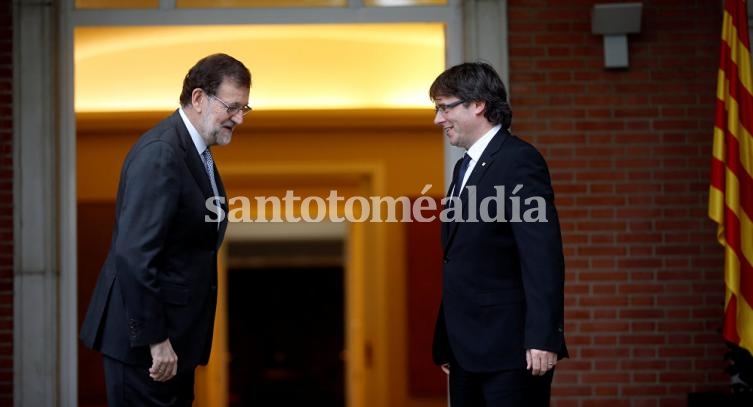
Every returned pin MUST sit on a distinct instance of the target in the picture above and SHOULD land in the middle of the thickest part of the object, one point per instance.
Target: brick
(644, 377)
(604, 314)
(645, 313)
(644, 390)
(603, 189)
(608, 301)
(607, 401)
(601, 289)
(642, 340)
(604, 326)
(643, 353)
(605, 340)
(681, 351)
(605, 377)
(574, 390)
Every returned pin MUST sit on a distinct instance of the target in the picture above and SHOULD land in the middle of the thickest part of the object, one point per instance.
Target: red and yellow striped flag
(731, 191)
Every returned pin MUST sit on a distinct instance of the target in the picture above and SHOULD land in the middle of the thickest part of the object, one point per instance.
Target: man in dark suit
(499, 332)
(152, 311)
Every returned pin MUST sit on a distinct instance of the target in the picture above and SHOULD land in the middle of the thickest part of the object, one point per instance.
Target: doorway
(286, 333)
(286, 341)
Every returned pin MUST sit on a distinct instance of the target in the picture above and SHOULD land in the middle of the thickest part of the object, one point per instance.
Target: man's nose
(237, 118)
(438, 118)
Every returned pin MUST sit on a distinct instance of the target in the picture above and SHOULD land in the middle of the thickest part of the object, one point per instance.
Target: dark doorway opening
(286, 336)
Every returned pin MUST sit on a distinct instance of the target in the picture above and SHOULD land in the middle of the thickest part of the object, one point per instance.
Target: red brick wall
(629, 151)
(6, 204)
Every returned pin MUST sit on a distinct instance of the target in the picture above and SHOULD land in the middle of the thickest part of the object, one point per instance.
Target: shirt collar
(198, 142)
(480, 145)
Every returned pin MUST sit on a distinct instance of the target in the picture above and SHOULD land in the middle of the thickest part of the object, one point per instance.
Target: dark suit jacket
(159, 280)
(503, 282)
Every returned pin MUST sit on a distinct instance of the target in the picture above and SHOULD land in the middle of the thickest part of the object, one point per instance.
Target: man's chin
(224, 136)
(224, 140)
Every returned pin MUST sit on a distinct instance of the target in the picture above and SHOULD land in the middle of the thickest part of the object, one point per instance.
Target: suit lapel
(480, 169)
(192, 157)
(196, 166)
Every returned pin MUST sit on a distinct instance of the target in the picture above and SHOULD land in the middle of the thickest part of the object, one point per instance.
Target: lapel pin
(483, 164)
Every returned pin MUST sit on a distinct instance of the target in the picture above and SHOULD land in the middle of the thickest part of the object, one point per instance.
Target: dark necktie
(466, 160)
(209, 167)
(458, 181)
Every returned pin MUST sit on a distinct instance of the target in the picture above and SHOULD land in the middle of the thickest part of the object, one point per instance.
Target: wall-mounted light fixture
(614, 21)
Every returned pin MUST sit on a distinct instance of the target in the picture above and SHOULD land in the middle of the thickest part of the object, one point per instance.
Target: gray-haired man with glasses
(152, 311)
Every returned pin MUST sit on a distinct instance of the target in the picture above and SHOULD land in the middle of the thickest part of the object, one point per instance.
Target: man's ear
(197, 98)
(479, 107)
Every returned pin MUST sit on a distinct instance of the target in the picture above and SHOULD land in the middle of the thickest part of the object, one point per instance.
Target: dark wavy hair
(209, 73)
(475, 82)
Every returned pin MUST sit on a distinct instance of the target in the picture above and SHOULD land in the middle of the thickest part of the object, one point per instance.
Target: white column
(67, 222)
(484, 37)
(35, 332)
(486, 34)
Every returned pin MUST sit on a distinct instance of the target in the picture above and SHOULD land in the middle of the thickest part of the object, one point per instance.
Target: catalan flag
(731, 190)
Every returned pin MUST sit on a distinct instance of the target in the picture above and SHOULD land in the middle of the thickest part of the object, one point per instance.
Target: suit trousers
(504, 388)
(130, 386)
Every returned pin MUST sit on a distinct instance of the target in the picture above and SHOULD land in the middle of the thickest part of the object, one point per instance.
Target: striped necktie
(209, 167)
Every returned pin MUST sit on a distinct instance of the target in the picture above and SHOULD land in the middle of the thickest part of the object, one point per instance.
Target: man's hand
(164, 361)
(540, 361)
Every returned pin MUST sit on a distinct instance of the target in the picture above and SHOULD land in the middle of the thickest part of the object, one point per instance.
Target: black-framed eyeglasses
(232, 110)
(444, 108)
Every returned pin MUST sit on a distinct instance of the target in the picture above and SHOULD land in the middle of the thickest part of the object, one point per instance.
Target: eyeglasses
(232, 110)
(444, 108)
